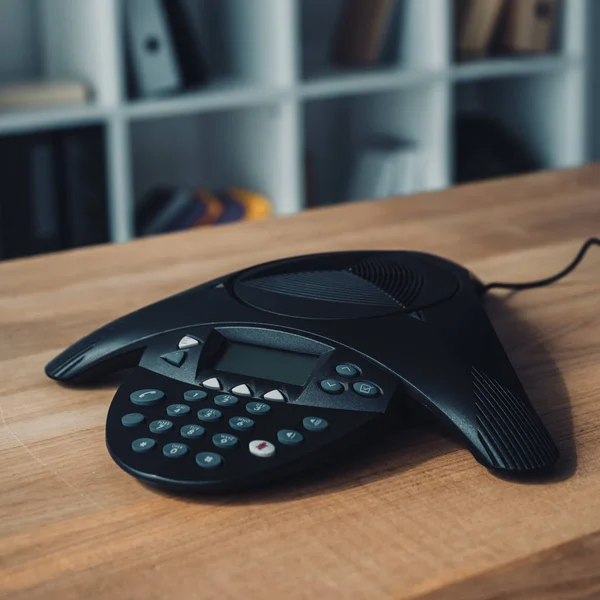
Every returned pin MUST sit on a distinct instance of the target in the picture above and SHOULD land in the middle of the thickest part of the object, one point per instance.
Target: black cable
(549, 280)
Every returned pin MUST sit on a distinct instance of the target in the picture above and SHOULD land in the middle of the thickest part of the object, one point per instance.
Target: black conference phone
(255, 375)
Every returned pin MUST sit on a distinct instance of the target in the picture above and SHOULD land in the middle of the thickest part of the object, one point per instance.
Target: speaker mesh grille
(509, 429)
(328, 286)
(400, 282)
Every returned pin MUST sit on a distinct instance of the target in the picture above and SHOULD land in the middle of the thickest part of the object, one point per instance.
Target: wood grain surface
(414, 517)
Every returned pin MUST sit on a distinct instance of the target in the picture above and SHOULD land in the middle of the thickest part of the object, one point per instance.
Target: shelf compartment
(246, 148)
(415, 37)
(336, 129)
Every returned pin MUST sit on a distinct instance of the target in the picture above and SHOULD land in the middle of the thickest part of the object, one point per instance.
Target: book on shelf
(52, 192)
(386, 166)
(529, 26)
(164, 52)
(362, 30)
(176, 208)
(39, 94)
(477, 22)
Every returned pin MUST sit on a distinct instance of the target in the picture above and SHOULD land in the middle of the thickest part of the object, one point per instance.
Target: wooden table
(415, 518)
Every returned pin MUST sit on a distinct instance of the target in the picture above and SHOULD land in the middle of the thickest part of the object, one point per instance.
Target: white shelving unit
(274, 96)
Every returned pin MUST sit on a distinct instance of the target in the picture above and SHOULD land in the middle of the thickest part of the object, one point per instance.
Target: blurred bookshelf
(276, 106)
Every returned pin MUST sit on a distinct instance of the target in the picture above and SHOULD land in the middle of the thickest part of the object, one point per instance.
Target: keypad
(178, 410)
(289, 437)
(209, 415)
(208, 460)
(225, 400)
(315, 423)
(241, 423)
(365, 389)
(192, 432)
(175, 450)
(331, 386)
(224, 440)
(146, 397)
(258, 408)
(161, 426)
(142, 445)
(132, 419)
(346, 370)
(194, 395)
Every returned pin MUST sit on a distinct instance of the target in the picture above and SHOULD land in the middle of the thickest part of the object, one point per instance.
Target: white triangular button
(274, 395)
(212, 384)
(187, 341)
(242, 390)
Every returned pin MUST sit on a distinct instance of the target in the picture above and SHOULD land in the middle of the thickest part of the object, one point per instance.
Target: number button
(178, 410)
(209, 415)
(241, 423)
(366, 389)
(208, 460)
(160, 426)
(331, 386)
(257, 408)
(261, 448)
(315, 423)
(346, 370)
(225, 400)
(143, 445)
(132, 419)
(192, 432)
(224, 440)
(146, 397)
(175, 450)
(194, 395)
(289, 437)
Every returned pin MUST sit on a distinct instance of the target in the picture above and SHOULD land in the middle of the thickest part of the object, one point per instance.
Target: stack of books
(52, 191)
(169, 209)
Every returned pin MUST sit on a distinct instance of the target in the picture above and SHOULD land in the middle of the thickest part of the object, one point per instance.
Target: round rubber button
(346, 370)
(315, 423)
(194, 395)
(178, 410)
(132, 419)
(192, 432)
(289, 437)
(175, 450)
(331, 386)
(224, 440)
(261, 448)
(142, 445)
(258, 408)
(160, 426)
(241, 423)
(208, 460)
(225, 400)
(366, 389)
(209, 415)
(146, 397)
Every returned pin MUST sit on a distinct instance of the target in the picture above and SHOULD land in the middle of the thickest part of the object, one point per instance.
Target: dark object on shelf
(385, 166)
(188, 48)
(486, 149)
(476, 24)
(362, 31)
(169, 209)
(529, 26)
(52, 191)
(321, 353)
(83, 186)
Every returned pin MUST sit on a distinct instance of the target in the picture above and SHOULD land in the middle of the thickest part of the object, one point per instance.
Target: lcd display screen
(267, 363)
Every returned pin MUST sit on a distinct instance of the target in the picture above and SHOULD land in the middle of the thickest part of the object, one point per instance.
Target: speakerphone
(261, 373)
